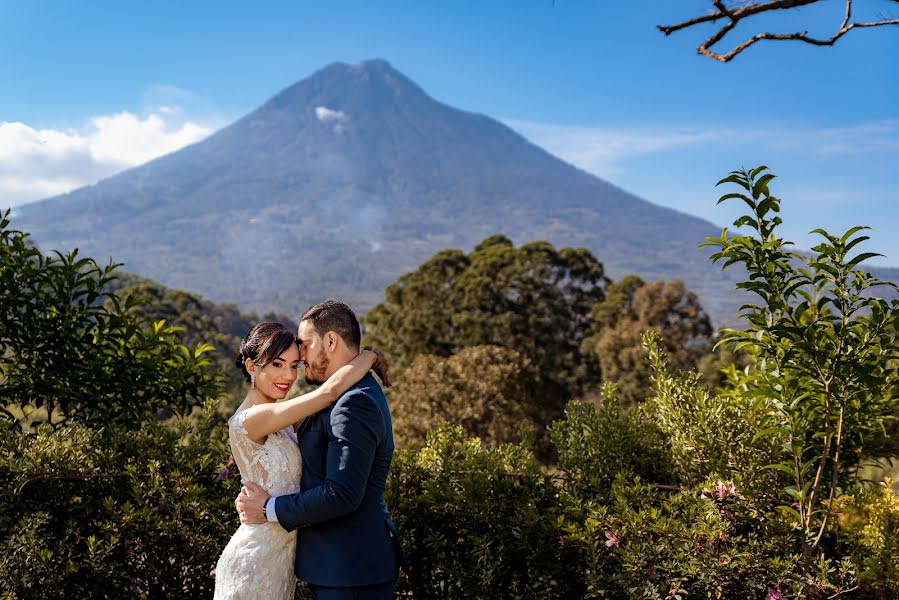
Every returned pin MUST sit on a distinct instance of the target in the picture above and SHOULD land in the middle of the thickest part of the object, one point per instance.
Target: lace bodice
(275, 465)
(257, 563)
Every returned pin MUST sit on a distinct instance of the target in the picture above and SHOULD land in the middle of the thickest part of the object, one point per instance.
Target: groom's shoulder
(364, 391)
(366, 387)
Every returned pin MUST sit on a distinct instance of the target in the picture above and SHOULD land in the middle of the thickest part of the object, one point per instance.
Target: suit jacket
(345, 534)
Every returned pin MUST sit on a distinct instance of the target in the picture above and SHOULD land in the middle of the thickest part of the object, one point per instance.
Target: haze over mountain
(349, 178)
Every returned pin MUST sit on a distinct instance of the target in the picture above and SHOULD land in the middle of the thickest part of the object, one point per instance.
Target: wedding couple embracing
(314, 467)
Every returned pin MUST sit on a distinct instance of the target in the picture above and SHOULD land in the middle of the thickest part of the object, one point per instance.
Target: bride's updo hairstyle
(265, 342)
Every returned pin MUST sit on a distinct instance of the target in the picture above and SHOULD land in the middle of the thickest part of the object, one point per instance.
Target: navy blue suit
(346, 537)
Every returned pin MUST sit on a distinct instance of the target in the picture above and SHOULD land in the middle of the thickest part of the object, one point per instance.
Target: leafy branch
(825, 346)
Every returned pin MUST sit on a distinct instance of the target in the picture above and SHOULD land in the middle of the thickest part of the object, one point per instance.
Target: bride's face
(275, 379)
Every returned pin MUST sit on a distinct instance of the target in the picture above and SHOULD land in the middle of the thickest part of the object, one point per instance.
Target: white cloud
(600, 150)
(878, 136)
(37, 163)
(604, 150)
(329, 115)
(130, 140)
(325, 114)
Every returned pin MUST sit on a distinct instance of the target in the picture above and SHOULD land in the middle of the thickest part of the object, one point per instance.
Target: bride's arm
(263, 419)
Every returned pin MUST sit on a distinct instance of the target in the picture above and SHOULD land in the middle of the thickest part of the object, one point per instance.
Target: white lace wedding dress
(258, 561)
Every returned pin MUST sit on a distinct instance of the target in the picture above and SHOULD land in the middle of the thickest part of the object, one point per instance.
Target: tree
(735, 11)
(632, 307)
(535, 300)
(222, 326)
(72, 349)
(489, 391)
(825, 377)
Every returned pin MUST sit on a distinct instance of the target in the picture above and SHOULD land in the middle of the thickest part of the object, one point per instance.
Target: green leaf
(755, 172)
(852, 232)
(761, 184)
(790, 510)
(737, 178)
(770, 431)
(785, 467)
(861, 258)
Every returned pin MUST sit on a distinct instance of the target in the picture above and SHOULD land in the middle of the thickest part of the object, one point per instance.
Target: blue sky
(89, 88)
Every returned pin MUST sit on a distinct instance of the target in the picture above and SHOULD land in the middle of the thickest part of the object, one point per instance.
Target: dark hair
(334, 315)
(265, 342)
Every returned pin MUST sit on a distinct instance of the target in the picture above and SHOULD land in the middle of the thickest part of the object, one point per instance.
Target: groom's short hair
(336, 316)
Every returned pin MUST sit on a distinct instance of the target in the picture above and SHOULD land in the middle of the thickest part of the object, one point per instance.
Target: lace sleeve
(275, 465)
(246, 452)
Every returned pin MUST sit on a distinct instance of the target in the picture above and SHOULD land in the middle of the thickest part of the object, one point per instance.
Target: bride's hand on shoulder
(381, 365)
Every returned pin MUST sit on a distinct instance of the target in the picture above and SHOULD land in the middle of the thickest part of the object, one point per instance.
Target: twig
(734, 16)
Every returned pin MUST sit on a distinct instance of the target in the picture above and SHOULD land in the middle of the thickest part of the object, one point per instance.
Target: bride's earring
(253, 382)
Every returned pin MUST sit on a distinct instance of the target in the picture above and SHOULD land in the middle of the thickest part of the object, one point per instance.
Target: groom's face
(312, 353)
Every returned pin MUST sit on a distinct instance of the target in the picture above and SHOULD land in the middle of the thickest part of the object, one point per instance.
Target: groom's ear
(330, 341)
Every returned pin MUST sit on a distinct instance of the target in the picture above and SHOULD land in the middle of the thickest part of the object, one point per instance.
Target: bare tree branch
(749, 9)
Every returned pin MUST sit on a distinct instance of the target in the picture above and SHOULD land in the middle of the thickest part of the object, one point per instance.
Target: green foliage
(595, 444)
(631, 307)
(643, 544)
(70, 348)
(112, 514)
(717, 366)
(489, 391)
(870, 522)
(115, 513)
(709, 435)
(488, 340)
(488, 522)
(199, 320)
(825, 376)
(534, 299)
(480, 522)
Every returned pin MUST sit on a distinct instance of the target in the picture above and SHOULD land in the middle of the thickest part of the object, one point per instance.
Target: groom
(347, 544)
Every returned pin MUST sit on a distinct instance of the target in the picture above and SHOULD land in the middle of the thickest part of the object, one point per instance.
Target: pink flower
(129, 549)
(516, 533)
(221, 474)
(774, 594)
(611, 539)
(230, 459)
(723, 489)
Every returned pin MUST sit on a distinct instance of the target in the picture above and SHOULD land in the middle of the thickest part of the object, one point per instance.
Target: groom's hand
(249, 504)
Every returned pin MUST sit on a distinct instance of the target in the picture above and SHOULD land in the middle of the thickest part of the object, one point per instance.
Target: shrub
(116, 513)
(870, 523)
(595, 444)
(481, 522)
(710, 435)
(692, 544)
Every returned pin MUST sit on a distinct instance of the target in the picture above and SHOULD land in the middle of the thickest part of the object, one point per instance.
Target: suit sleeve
(354, 431)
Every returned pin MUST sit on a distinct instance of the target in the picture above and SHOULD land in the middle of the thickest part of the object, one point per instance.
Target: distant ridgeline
(346, 180)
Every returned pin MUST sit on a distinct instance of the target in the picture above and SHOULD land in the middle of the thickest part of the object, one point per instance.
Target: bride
(258, 561)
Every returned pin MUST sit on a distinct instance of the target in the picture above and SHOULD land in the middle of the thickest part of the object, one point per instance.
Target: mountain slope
(347, 179)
